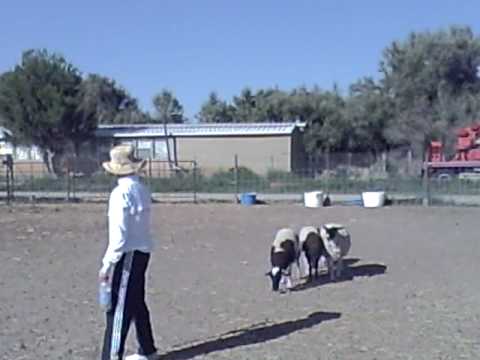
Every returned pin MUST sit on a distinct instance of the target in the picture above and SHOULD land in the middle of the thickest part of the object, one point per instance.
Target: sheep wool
(304, 232)
(281, 236)
(336, 240)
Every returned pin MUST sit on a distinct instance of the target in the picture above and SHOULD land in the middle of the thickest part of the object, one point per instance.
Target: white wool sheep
(337, 242)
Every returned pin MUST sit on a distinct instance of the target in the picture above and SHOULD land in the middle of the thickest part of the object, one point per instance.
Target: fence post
(194, 182)
(384, 162)
(236, 179)
(74, 179)
(68, 183)
(349, 163)
(426, 185)
(8, 183)
(409, 162)
(12, 178)
(327, 166)
(8, 163)
(31, 179)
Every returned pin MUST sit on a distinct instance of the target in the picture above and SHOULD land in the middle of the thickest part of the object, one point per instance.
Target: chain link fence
(397, 173)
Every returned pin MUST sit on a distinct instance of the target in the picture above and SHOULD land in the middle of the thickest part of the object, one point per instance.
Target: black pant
(128, 303)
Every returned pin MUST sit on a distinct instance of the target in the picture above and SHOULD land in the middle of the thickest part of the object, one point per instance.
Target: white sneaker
(143, 357)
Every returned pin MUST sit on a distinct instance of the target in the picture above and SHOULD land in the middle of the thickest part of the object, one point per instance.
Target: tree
(38, 102)
(215, 110)
(326, 125)
(422, 75)
(271, 105)
(244, 106)
(369, 112)
(46, 102)
(108, 102)
(168, 108)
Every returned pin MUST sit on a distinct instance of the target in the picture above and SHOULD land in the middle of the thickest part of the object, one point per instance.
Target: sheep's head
(275, 275)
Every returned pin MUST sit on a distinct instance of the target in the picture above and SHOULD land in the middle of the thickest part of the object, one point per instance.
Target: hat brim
(124, 169)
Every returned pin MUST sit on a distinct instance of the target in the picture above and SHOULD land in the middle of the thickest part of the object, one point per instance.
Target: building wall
(259, 153)
(25, 169)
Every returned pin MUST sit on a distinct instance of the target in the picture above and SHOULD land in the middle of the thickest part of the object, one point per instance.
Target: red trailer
(466, 161)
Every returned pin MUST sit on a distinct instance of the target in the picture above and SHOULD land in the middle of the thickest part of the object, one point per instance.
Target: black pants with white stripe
(128, 303)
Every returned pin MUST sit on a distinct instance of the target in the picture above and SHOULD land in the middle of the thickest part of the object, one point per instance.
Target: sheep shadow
(349, 273)
(350, 261)
(250, 335)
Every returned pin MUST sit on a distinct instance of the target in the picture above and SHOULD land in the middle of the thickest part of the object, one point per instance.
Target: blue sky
(197, 46)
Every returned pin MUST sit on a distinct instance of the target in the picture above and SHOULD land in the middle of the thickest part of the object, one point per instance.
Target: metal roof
(198, 130)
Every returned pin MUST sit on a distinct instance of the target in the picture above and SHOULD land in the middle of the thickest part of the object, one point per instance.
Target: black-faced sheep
(283, 254)
(337, 242)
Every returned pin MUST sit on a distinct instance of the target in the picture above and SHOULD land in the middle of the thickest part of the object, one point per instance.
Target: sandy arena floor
(413, 292)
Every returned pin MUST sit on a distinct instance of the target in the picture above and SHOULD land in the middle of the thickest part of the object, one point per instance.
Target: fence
(398, 174)
(168, 181)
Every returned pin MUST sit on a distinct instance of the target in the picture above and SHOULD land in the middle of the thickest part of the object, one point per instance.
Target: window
(35, 153)
(160, 150)
(22, 153)
(144, 149)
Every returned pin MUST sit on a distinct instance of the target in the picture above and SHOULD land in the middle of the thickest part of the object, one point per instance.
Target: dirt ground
(411, 291)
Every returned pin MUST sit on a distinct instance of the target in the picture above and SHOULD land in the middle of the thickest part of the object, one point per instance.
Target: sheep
(312, 246)
(284, 253)
(337, 243)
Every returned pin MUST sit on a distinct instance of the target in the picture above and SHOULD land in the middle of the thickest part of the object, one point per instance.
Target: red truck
(466, 161)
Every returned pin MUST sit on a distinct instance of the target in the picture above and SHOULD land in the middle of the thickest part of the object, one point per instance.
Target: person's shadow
(350, 272)
(250, 335)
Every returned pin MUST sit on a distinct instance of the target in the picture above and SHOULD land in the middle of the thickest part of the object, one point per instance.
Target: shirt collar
(126, 180)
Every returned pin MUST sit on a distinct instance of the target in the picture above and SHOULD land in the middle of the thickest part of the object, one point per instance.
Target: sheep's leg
(289, 282)
(323, 262)
(283, 282)
(339, 268)
(296, 265)
(288, 278)
(299, 268)
(331, 269)
(309, 266)
(302, 265)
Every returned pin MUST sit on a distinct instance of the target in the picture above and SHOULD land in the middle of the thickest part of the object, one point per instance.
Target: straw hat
(122, 161)
(336, 240)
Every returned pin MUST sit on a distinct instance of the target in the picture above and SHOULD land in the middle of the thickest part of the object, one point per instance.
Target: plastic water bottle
(105, 295)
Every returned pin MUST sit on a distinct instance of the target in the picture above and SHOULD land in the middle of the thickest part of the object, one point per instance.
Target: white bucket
(313, 199)
(373, 199)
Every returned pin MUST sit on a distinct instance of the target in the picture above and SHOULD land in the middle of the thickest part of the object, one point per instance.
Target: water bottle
(105, 295)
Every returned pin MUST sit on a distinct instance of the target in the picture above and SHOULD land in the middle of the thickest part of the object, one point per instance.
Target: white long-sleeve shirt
(128, 220)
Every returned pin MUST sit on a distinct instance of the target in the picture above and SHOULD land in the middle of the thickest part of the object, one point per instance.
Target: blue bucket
(355, 202)
(248, 199)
